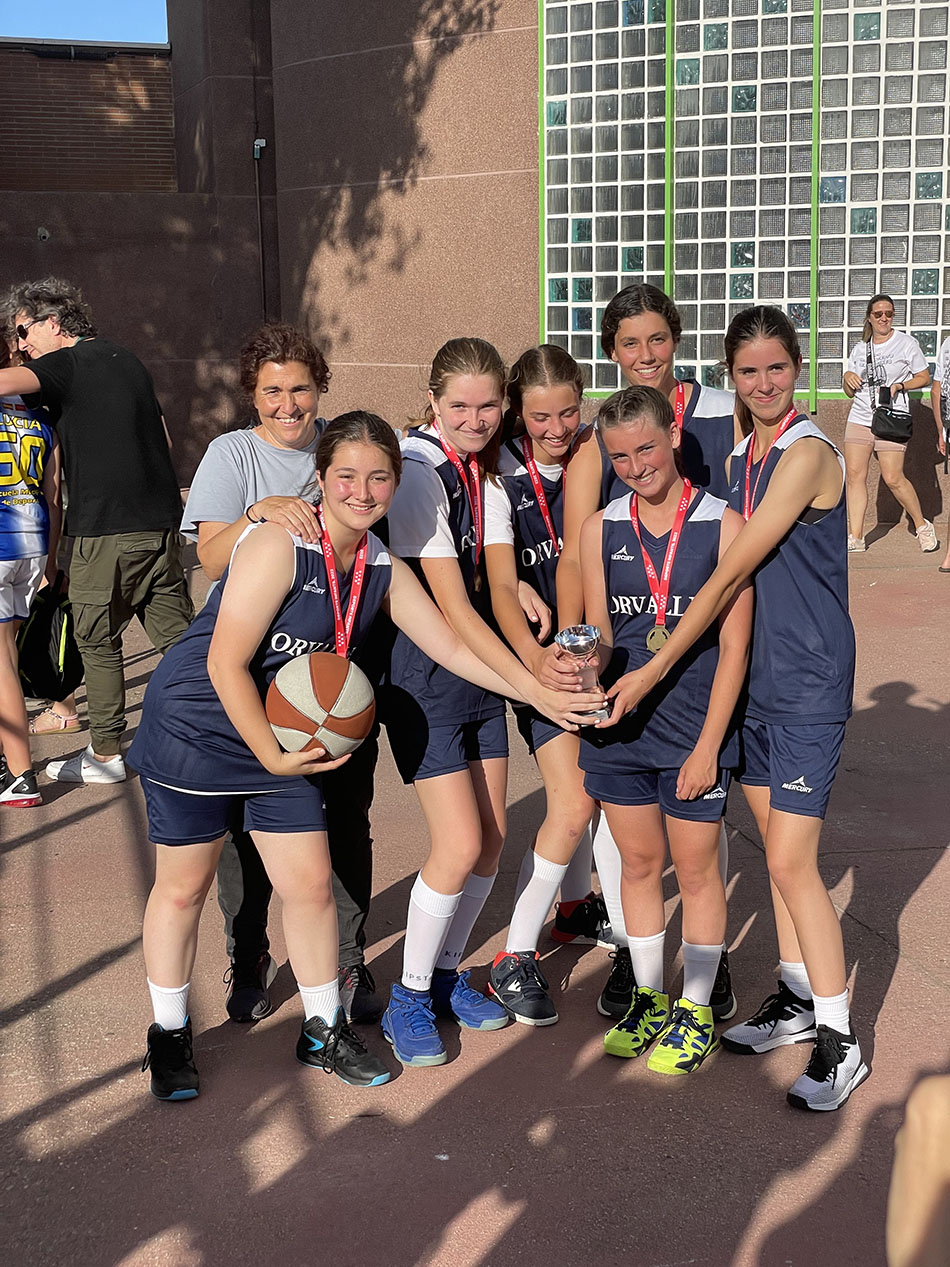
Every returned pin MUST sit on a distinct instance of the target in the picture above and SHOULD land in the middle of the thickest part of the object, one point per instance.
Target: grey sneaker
(834, 1071)
(927, 536)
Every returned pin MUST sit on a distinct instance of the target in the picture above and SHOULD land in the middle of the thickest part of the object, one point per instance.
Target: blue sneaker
(454, 999)
(409, 1024)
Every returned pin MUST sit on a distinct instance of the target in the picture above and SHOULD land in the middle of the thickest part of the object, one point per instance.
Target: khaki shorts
(857, 433)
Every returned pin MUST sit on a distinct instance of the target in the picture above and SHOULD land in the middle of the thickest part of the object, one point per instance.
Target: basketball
(320, 700)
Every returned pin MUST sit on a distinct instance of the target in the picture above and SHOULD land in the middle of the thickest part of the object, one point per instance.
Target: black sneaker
(338, 1049)
(248, 982)
(582, 923)
(834, 1071)
(722, 1000)
(169, 1056)
(617, 997)
(519, 985)
(782, 1019)
(19, 790)
(358, 996)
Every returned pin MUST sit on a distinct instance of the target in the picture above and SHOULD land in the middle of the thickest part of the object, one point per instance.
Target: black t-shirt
(115, 455)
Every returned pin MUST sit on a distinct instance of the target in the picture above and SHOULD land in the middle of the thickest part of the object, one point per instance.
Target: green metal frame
(668, 169)
(542, 186)
(815, 189)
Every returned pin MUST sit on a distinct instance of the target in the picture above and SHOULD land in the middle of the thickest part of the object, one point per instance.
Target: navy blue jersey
(802, 668)
(419, 691)
(185, 739)
(663, 729)
(708, 438)
(535, 555)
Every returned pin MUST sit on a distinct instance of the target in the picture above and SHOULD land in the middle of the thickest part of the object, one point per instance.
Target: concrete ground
(529, 1146)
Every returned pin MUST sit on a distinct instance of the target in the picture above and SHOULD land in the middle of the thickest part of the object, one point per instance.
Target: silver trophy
(580, 642)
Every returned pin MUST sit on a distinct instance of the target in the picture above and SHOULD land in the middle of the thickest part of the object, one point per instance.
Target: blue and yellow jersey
(26, 440)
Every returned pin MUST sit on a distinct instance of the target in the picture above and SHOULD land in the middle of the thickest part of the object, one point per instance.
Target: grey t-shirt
(240, 468)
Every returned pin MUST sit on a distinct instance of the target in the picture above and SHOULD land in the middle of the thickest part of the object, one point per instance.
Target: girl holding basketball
(643, 558)
(448, 739)
(205, 744)
(523, 527)
(788, 482)
(640, 331)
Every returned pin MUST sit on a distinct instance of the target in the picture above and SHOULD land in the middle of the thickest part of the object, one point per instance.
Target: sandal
(49, 722)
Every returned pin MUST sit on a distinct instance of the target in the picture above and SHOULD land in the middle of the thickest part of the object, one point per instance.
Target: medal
(749, 498)
(535, 476)
(343, 628)
(656, 638)
(473, 490)
(660, 585)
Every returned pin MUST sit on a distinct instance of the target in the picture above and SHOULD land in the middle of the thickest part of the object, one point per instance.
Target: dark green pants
(112, 579)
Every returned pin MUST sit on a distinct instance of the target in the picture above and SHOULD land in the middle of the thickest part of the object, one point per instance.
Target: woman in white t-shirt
(940, 404)
(897, 363)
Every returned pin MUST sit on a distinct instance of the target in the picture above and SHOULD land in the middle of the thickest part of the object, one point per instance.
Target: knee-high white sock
(532, 907)
(169, 1004)
(473, 898)
(321, 1000)
(700, 964)
(833, 1010)
(607, 858)
(646, 955)
(723, 857)
(795, 977)
(575, 884)
(525, 874)
(428, 921)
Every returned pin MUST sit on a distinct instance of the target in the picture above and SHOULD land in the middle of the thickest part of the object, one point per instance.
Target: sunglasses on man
(23, 330)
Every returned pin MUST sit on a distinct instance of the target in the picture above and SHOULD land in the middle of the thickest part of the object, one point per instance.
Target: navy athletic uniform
(801, 679)
(186, 743)
(707, 443)
(436, 722)
(513, 517)
(637, 762)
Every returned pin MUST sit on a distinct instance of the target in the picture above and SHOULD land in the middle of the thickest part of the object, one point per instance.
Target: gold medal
(656, 638)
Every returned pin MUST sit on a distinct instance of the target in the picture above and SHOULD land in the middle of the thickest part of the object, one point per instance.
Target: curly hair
(280, 343)
(50, 297)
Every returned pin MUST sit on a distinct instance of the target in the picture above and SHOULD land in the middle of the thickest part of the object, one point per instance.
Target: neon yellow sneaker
(646, 1018)
(686, 1041)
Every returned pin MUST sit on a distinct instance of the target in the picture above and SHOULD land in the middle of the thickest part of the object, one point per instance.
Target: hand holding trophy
(580, 642)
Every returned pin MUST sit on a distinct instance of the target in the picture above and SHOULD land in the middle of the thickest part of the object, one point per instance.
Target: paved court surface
(528, 1147)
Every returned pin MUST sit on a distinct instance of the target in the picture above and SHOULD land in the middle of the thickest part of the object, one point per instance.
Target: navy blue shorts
(436, 750)
(536, 730)
(187, 818)
(796, 763)
(658, 787)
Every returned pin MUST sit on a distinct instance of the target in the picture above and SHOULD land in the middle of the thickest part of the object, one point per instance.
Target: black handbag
(887, 423)
(50, 663)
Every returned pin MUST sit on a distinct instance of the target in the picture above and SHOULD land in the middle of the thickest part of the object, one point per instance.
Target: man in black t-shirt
(124, 505)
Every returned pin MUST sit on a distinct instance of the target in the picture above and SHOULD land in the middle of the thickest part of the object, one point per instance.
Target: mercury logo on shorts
(715, 794)
(623, 556)
(797, 785)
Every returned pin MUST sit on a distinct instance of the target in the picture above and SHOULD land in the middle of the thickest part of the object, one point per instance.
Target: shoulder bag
(887, 423)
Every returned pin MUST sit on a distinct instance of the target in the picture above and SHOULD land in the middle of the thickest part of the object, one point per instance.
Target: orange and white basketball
(320, 700)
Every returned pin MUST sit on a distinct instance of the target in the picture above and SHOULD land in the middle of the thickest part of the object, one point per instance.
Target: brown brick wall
(86, 126)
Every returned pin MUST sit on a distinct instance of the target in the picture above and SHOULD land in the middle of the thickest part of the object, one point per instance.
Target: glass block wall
(791, 152)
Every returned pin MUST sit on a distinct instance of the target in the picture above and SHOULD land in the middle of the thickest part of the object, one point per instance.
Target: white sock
(169, 1004)
(576, 883)
(832, 1010)
(525, 874)
(723, 858)
(796, 978)
(473, 898)
(646, 955)
(607, 858)
(532, 907)
(428, 921)
(321, 1000)
(700, 964)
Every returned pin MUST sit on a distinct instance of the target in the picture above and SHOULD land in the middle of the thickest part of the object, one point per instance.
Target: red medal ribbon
(344, 629)
(679, 405)
(660, 585)
(749, 498)
(472, 485)
(535, 476)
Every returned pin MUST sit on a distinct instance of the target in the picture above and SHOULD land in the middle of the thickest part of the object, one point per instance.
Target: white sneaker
(856, 545)
(927, 536)
(834, 1071)
(85, 768)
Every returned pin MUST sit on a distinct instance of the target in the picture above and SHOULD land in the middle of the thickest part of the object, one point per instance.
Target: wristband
(247, 516)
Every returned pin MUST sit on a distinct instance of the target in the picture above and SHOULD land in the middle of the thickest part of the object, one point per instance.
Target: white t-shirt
(499, 524)
(419, 515)
(942, 376)
(896, 360)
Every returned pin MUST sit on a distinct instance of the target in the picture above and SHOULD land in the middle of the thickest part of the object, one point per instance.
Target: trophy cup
(580, 642)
